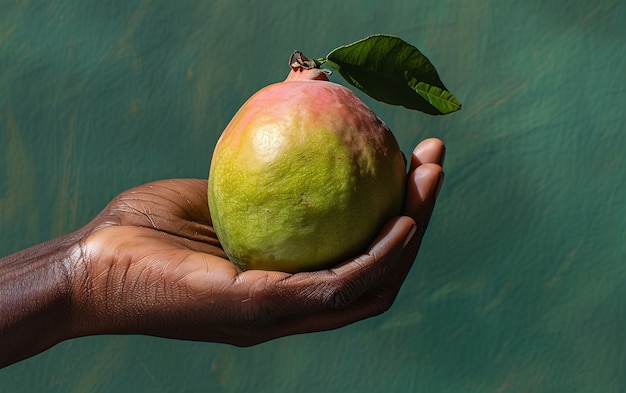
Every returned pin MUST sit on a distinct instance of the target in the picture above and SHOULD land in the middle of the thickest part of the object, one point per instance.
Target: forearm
(35, 298)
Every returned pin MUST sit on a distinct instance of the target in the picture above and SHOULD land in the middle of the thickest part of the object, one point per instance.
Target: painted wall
(521, 283)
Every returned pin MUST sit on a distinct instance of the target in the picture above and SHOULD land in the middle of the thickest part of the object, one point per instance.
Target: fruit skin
(303, 177)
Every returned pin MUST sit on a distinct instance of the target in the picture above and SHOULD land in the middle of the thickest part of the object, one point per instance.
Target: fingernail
(409, 235)
(439, 184)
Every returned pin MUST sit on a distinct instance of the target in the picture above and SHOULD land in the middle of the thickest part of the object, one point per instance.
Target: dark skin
(150, 263)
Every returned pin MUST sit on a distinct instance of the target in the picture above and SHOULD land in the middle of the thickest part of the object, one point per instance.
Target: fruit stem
(298, 61)
(303, 68)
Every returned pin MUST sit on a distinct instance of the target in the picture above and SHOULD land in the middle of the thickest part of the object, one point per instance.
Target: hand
(150, 263)
(153, 265)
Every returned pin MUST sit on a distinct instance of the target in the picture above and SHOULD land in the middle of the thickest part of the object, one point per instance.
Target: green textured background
(521, 282)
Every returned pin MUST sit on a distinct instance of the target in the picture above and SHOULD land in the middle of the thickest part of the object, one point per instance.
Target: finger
(374, 301)
(423, 187)
(389, 241)
(429, 151)
(317, 321)
(176, 206)
(336, 288)
(173, 198)
(369, 304)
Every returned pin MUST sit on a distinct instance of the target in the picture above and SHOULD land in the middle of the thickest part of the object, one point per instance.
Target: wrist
(36, 298)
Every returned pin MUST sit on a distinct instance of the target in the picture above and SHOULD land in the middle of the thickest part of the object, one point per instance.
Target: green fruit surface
(304, 176)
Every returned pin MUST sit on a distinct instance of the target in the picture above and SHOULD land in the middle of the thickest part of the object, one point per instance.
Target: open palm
(152, 264)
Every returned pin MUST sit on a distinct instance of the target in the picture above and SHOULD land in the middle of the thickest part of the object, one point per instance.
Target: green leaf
(439, 98)
(392, 71)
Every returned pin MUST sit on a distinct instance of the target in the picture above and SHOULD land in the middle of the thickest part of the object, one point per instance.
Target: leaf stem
(320, 61)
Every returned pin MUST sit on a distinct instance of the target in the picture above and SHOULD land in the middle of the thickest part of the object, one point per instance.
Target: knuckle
(340, 295)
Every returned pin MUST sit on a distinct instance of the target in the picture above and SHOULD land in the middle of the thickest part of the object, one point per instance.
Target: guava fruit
(304, 176)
